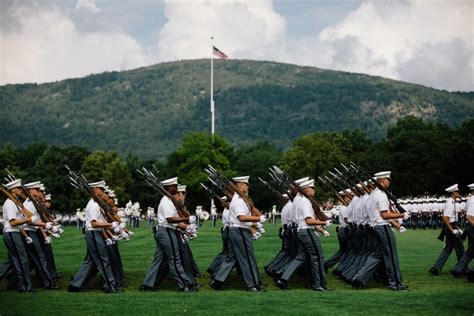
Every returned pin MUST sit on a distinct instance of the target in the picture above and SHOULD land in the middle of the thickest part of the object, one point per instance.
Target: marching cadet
(35, 241)
(450, 231)
(386, 250)
(97, 257)
(461, 267)
(13, 219)
(167, 247)
(309, 246)
(240, 236)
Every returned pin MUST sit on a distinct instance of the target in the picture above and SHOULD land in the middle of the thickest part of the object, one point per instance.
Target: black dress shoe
(403, 287)
(72, 288)
(216, 285)
(146, 288)
(252, 289)
(52, 287)
(434, 271)
(456, 274)
(282, 284)
(357, 284)
(189, 289)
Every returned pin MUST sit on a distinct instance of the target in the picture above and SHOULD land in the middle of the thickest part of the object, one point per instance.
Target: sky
(428, 42)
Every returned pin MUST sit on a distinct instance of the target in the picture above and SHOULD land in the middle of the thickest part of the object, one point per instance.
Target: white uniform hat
(170, 181)
(181, 188)
(33, 185)
(47, 197)
(243, 179)
(13, 184)
(98, 184)
(299, 181)
(341, 193)
(42, 187)
(285, 195)
(382, 175)
(471, 186)
(348, 191)
(307, 184)
(452, 188)
(224, 198)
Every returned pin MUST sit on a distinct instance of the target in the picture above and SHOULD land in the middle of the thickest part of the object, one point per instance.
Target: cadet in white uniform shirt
(450, 232)
(97, 257)
(380, 217)
(167, 247)
(309, 245)
(13, 219)
(241, 246)
(461, 267)
(216, 263)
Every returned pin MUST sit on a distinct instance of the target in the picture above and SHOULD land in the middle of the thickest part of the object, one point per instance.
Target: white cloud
(87, 5)
(47, 46)
(240, 28)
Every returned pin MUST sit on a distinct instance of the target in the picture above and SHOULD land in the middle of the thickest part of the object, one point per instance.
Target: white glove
(115, 238)
(116, 229)
(263, 219)
(47, 240)
(256, 236)
(130, 233)
(326, 234)
(406, 216)
(192, 219)
(402, 229)
(259, 225)
(124, 236)
(115, 225)
(29, 240)
(109, 242)
(328, 223)
(60, 230)
(122, 225)
(48, 226)
(55, 229)
(56, 235)
(457, 232)
(261, 230)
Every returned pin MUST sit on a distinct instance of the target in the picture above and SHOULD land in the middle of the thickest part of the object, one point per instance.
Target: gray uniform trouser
(96, 258)
(451, 242)
(462, 265)
(35, 252)
(342, 238)
(49, 255)
(240, 252)
(167, 248)
(387, 252)
(309, 247)
(17, 253)
(216, 263)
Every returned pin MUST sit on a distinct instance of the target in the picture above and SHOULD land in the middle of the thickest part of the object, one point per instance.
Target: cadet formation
(368, 217)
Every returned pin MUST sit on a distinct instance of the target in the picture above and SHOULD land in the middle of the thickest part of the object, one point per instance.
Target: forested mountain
(147, 111)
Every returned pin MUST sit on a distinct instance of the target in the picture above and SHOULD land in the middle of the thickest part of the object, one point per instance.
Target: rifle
(81, 183)
(40, 208)
(273, 190)
(223, 182)
(329, 185)
(344, 183)
(285, 179)
(213, 194)
(389, 194)
(18, 204)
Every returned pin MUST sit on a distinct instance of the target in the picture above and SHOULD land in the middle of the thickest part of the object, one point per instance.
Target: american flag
(218, 53)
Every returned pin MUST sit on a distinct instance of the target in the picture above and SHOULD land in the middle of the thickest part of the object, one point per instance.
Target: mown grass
(418, 249)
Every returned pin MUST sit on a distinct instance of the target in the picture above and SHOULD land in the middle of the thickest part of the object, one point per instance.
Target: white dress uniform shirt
(226, 217)
(93, 213)
(303, 211)
(469, 209)
(342, 215)
(166, 209)
(450, 210)
(11, 211)
(364, 209)
(378, 203)
(351, 209)
(28, 204)
(286, 215)
(237, 208)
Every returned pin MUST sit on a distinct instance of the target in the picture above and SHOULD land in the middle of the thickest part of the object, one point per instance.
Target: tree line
(424, 157)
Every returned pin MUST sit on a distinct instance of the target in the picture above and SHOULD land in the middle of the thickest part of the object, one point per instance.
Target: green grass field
(442, 295)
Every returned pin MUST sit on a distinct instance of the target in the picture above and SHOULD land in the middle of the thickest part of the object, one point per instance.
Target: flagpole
(213, 222)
